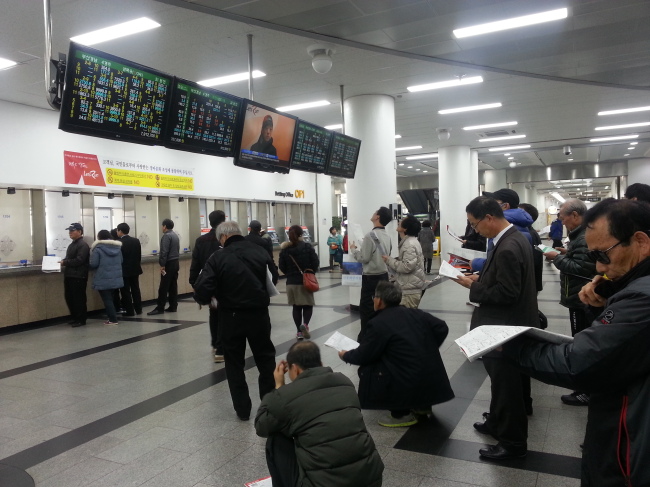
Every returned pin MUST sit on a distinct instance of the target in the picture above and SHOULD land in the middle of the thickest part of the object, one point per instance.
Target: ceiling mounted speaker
(321, 57)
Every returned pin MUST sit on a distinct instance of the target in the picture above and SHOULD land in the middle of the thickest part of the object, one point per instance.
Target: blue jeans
(107, 298)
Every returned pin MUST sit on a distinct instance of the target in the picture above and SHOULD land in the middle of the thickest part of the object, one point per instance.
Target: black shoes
(576, 399)
(483, 428)
(170, 310)
(500, 452)
(155, 311)
(244, 418)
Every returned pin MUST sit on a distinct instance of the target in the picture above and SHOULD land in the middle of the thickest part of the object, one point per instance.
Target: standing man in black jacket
(255, 237)
(507, 295)
(75, 275)
(236, 276)
(169, 267)
(131, 270)
(204, 247)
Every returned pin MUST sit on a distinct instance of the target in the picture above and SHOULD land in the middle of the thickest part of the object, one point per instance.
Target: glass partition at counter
(60, 212)
(109, 212)
(180, 216)
(147, 224)
(15, 228)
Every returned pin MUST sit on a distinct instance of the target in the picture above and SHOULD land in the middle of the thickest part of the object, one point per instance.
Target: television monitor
(343, 156)
(267, 137)
(202, 119)
(311, 148)
(107, 96)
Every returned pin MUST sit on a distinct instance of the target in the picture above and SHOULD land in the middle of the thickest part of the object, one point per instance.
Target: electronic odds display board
(107, 96)
(311, 148)
(344, 155)
(203, 120)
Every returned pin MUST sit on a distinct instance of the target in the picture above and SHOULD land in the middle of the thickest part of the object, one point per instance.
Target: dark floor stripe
(102, 348)
(72, 439)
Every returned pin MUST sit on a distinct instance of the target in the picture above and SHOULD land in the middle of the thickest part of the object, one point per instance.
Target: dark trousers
(281, 460)
(557, 242)
(579, 321)
(215, 333)
(74, 289)
(168, 286)
(131, 298)
(236, 327)
(507, 416)
(109, 303)
(427, 265)
(366, 306)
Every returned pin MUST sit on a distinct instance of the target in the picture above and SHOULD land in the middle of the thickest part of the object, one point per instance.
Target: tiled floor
(142, 404)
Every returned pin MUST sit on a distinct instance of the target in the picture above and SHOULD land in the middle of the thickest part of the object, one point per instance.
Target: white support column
(638, 171)
(495, 179)
(371, 118)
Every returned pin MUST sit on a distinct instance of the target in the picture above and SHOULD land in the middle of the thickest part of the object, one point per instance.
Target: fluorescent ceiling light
(624, 110)
(425, 171)
(633, 143)
(512, 23)
(300, 106)
(490, 139)
(511, 157)
(398, 136)
(334, 127)
(116, 31)
(625, 126)
(558, 197)
(631, 148)
(401, 164)
(419, 169)
(489, 125)
(625, 155)
(411, 147)
(569, 160)
(446, 84)
(409, 167)
(6, 63)
(509, 147)
(422, 156)
(507, 154)
(618, 137)
(469, 109)
(231, 78)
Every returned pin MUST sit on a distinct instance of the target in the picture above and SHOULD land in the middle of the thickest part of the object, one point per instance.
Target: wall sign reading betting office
(110, 96)
(93, 170)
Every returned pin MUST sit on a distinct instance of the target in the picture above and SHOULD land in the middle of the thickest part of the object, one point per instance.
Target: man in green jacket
(315, 430)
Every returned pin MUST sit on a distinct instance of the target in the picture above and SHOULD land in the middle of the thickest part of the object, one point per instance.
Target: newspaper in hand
(339, 342)
(486, 338)
(450, 232)
(51, 264)
(448, 270)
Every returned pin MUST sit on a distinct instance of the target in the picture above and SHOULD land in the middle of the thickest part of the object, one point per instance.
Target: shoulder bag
(308, 278)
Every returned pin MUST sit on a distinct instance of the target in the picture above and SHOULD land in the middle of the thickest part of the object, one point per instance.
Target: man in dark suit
(507, 295)
(131, 270)
(204, 247)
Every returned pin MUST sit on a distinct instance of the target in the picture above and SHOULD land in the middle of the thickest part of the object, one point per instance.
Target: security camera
(567, 150)
(443, 133)
(321, 55)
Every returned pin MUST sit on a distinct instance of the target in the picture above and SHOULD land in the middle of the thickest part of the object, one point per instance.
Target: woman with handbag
(298, 261)
(334, 242)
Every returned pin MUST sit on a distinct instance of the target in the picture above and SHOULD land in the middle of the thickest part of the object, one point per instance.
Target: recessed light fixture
(401, 164)
(398, 136)
(625, 155)
(334, 127)
(569, 160)
(446, 84)
(425, 171)
(511, 157)
(490, 139)
(231, 78)
(625, 126)
(509, 147)
(624, 110)
(6, 63)
(507, 154)
(490, 125)
(469, 109)
(411, 147)
(417, 169)
(617, 137)
(422, 156)
(301, 106)
(409, 167)
(633, 143)
(116, 31)
(511, 23)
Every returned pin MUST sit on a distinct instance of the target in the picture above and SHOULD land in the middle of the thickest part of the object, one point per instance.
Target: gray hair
(228, 229)
(574, 204)
(389, 292)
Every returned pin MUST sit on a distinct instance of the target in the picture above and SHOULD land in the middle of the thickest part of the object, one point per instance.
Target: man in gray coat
(576, 270)
(315, 430)
(169, 267)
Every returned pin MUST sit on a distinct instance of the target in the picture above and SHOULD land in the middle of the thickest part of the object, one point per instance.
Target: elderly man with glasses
(610, 359)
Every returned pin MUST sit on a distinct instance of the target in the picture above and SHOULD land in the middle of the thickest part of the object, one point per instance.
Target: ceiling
(551, 78)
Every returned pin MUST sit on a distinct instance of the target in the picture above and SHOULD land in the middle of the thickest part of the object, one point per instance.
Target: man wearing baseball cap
(265, 142)
(75, 275)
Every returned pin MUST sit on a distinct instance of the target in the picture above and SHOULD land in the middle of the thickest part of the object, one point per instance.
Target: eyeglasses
(474, 225)
(601, 255)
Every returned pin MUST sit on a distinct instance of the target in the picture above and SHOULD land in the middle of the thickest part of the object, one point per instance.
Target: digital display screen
(202, 119)
(311, 148)
(266, 139)
(343, 156)
(107, 96)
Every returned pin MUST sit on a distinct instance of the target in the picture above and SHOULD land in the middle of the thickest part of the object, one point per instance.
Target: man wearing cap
(265, 142)
(255, 237)
(75, 275)
(169, 267)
